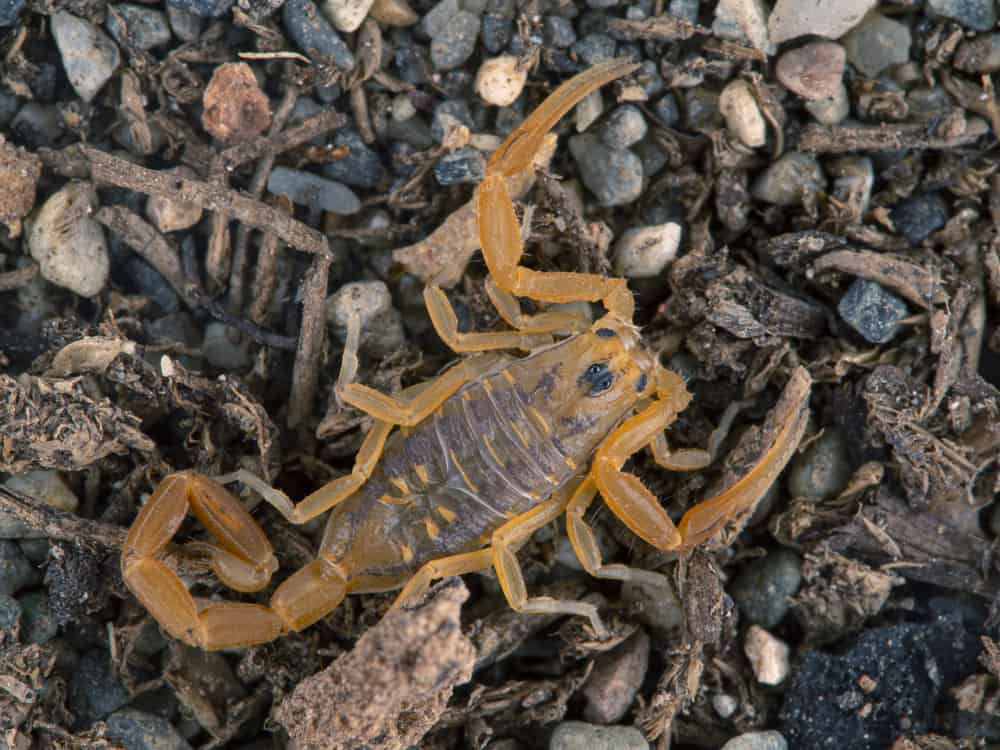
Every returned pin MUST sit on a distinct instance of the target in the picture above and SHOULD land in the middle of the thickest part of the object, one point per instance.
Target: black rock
(594, 49)
(360, 168)
(460, 166)
(95, 692)
(455, 109)
(9, 11)
(919, 216)
(667, 110)
(559, 31)
(497, 31)
(204, 8)
(872, 310)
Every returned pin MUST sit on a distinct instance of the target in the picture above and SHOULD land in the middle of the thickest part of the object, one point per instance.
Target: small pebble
(394, 13)
(500, 80)
(613, 175)
(9, 104)
(135, 274)
(751, 18)
(16, 571)
(497, 31)
(138, 730)
(138, 25)
(786, 181)
(594, 48)
(701, 107)
(768, 656)
(738, 105)
(38, 624)
(221, 351)
(615, 680)
(643, 252)
(235, 108)
(89, 57)
(68, 243)
(770, 740)
(624, 127)
(824, 470)
(685, 9)
(456, 42)
(95, 692)
(448, 115)
(347, 15)
(791, 19)
(833, 110)
(45, 485)
(813, 71)
(313, 34)
(877, 43)
(979, 15)
(436, 18)
(170, 215)
(308, 189)
(763, 587)
(10, 615)
(659, 608)
(980, 54)
(462, 166)
(576, 735)
(558, 32)
(588, 110)
(361, 168)
(185, 24)
(9, 11)
(919, 216)
(872, 310)
(36, 550)
(667, 110)
(381, 324)
(724, 704)
(204, 8)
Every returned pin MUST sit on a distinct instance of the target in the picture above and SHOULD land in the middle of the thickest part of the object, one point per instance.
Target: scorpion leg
(453, 565)
(508, 538)
(584, 542)
(694, 459)
(329, 494)
(499, 232)
(243, 560)
(410, 411)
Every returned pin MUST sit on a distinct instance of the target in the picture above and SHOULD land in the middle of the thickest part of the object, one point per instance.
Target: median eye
(598, 377)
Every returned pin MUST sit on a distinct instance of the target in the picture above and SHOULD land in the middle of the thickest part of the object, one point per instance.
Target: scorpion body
(491, 451)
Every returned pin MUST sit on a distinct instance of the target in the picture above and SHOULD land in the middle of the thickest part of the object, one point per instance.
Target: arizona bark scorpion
(495, 448)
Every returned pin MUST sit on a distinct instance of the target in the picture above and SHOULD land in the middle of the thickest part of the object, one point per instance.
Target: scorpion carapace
(495, 448)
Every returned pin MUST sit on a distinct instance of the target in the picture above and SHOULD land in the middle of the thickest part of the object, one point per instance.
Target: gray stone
(823, 471)
(624, 127)
(833, 110)
(313, 34)
(221, 351)
(659, 608)
(979, 15)
(10, 614)
(449, 114)
(95, 692)
(462, 166)
(615, 680)
(643, 252)
(919, 216)
(594, 48)
(496, 32)
(437, 17)
(750, 17)
(667, 110)
(757, 741)
(204, 8)
(576, 735)
(762, 589)
(9, 11)
(138, 730)
(558, 32)
(791, 19)
(788, 179)
(456, 42)
(186, 25)
(308, 189)
(138, 25)
(361, 168)
(37, 124)
(876, 44)
(979, 55)
(872, 310)
(613, 175)
(45, 485)
(16, 571)
(89, 57)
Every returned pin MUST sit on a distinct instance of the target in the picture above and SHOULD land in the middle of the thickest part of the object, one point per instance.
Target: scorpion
(492, 450)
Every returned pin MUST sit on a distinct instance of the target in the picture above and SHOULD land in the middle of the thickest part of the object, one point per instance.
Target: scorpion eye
(598, 377)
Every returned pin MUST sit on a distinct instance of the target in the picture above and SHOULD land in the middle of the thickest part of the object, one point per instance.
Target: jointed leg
(507, 539)
(454, 565)
(410, 411)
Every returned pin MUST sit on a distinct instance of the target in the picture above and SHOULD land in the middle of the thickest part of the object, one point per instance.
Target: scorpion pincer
(496, 448)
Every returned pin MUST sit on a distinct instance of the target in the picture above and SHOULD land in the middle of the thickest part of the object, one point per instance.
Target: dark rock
(10, 613)
(313, 34)
(594, 49)
(613, 175)
(763, 588)
(456, 42)
(137, 25)
(464, 165)
(559, 32)
(497, 32)
(39, 625)
(919, 216)
(9, 11)
(95, 692)
(667, 110)
(137, 730)
(16, 571)
(204, 8)
(361, 167)
(449, 112)
(872, 310)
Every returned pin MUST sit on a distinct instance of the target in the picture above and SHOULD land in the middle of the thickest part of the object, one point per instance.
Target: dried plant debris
(392, 687)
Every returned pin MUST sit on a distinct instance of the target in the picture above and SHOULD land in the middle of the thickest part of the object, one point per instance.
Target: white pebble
(367, 299)
(500, 80)
(724, 704)
(347, 15)
(743, 116)
(833, 110)
(68, 243)
(751, 18)
(791, 19)
(644, 252)
(169, 214)
(768, 656)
